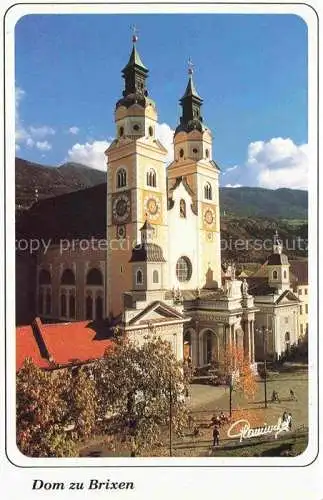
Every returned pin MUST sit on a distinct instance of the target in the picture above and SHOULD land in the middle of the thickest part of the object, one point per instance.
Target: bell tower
(194, 164)
(136, 180)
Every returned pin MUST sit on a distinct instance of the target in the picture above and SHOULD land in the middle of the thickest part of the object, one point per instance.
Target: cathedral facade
(161, 268)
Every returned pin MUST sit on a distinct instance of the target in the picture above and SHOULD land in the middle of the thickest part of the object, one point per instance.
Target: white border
(12, 17)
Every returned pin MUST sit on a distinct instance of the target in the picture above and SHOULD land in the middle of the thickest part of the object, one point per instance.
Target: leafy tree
(141, 387)
(236, 364)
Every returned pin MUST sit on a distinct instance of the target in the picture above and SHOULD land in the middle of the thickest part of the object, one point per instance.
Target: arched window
(155, 276)
(151, 178)
(40, 301)
(72, 306)
(181, 153)
(48, 303)
(183, 269)
(207, 154)
(44, 277)
(94, 277)
(275, 275)
(285, 274)
(208, 191)
(89, 307)
(121, 131)
(139, 277)
(121, 178)
(63, 305)
(68, 277)
(150, 131)
(182, 209)
(98, 307)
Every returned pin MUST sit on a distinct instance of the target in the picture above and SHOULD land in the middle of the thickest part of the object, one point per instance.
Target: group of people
(275, 396)
(287, 417)
(217, 421)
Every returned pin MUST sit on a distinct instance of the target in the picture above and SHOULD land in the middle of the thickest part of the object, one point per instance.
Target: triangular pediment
(155, 312)
(287, 297)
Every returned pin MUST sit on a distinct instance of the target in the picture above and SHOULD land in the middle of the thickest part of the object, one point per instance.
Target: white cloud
(166, 135)
(43, 146)
(230, 169)
(29, 136)
(90, 154)
(274, 164)
(73, 130)
(233, 185)
(41, 132)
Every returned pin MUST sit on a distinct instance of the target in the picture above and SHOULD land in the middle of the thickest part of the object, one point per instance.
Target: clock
(121, 208)
(209, 216)
(121, 232)
(152, 206)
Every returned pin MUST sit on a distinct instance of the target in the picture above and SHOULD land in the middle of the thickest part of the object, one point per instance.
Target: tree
(50, 403)
(41, 413)
(141, 387)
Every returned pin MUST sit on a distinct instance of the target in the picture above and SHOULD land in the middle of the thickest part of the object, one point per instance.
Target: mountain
(260, 202)
(234, 202)
(51, 181)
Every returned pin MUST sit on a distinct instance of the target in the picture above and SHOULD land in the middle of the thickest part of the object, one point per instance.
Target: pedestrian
(285, 415)
(290, 421)
(216, 435)
(292, 395)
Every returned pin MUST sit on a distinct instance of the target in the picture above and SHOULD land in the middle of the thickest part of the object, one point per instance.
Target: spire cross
(134, 33)
(190, 66)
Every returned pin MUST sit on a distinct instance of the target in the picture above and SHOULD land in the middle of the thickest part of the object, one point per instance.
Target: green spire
(135, 60)
(190, 89)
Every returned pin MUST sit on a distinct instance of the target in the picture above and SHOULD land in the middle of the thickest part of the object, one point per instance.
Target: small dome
(277, 259)
(131, 99)
(149, 252)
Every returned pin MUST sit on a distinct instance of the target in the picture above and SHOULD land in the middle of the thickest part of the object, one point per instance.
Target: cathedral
(160, 269)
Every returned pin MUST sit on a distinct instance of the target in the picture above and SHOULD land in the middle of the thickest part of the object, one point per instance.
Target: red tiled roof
(66, 344)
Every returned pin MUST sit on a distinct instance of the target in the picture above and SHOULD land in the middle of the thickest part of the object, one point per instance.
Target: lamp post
(264, 332)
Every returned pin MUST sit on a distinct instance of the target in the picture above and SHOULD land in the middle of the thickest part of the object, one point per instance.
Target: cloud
(29, 136)
(41, 132)
(90, 154)
(274, 164)
(230, 169)
(43, 146)
(73, 130)
(233, 185)
(166, 135)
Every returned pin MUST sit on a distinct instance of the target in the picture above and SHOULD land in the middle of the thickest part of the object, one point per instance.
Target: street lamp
(264, 332)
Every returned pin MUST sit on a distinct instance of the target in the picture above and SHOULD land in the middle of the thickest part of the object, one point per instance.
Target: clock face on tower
(152, 206)
(209, 216)
(121, 207)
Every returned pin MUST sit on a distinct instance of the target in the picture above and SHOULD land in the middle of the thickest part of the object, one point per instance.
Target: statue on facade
(245, 288)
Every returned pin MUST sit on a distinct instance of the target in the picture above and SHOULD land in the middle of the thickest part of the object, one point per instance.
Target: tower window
(139, 277)
(275, 275)
(136, 127)
(155, 276)
(285, 274)
(207, 153)
(208, 191)
(183, 269)
(121, 178)
(182, 209)
(151, 178)
(150, 131)
(195, 150)
(121, 131)
(181, 153)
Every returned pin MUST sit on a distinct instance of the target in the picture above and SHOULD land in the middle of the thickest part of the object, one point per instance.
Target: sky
(251, 71)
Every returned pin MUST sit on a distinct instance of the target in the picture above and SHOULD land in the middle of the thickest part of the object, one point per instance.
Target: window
(150, 131)
(72, 306)
(306, 308)
(182, 209)
(139, 277)
(285, 274)
(207, 153)
(68, 277)
(151, 178)
(287, 337)
(275, 275)
(121, 131)
(195, 150)
(300, 291)
(136, 127)
(183, 269)
(300, 310)
(63, 305)
(181, 153)
(208, 191)
(302, 328)
(155, 277)
(121, 269)
(305, 291)
(121, 178)
(94, 277)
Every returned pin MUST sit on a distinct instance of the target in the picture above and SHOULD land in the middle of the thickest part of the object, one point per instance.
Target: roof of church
(191, 90)
(148, 252)
(277, 259)
(299, 272)
(134, 60)
(62, 344)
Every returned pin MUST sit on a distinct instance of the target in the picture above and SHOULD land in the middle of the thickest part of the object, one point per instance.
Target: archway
(209, 347)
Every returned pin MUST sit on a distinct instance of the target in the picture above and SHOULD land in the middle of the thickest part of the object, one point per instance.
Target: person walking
(290, 421)
(216, 435)
(292, 395)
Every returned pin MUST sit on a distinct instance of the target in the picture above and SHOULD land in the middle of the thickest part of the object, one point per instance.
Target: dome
(149, 252)
(131, 99)
(189, 126)
(277, 259)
